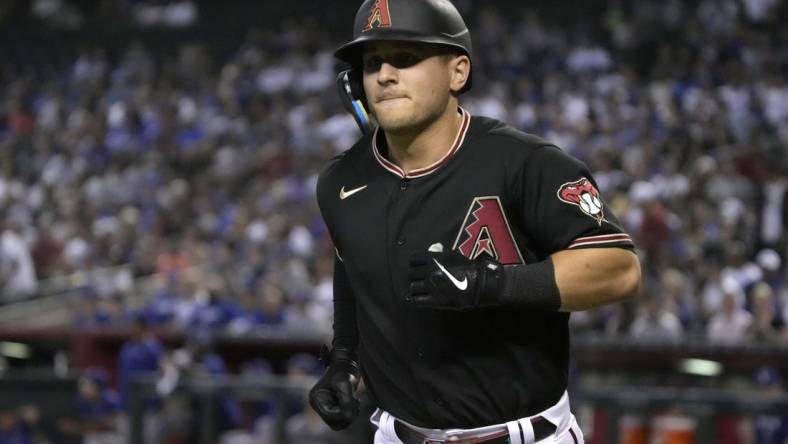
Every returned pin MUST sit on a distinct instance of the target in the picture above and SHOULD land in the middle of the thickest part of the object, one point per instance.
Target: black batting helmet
(423, 21)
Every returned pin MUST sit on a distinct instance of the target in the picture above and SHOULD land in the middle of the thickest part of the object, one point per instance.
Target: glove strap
(335, 355)
(490, 285)
(531, 286)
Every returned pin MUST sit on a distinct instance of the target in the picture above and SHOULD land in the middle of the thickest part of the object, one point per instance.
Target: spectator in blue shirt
(97, 410)
(18, 427)
(218, 310)
(140, 354)
(160, 311)
(270, 310)
(773, 428)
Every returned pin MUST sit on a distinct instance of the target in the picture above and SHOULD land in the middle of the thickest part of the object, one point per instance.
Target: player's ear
(459, 70)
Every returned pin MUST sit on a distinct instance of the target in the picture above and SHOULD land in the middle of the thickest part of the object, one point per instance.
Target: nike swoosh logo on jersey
(345, 194)
(460, 284)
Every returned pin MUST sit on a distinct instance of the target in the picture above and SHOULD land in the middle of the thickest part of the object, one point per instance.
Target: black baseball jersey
(497, 191)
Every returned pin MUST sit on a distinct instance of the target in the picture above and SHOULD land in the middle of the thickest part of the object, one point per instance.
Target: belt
(542, 429)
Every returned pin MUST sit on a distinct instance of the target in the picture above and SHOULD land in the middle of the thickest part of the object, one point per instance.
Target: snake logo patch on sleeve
(585, 196)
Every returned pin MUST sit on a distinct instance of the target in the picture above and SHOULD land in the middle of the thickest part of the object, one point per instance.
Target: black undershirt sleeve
(345, 324)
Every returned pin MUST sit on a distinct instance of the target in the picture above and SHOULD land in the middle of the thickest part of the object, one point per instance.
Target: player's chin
(392, 125)
(394, 121)
(392, 112)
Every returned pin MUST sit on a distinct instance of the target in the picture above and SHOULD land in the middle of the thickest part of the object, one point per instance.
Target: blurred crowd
(199, 167)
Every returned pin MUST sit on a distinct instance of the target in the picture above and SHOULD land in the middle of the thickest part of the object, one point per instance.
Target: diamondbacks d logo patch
(584, 195)
(486, 230)
(379, 16)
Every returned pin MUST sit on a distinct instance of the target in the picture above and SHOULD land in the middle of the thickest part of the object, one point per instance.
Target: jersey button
(401, 241)
(440, 401)
(403, 185)
(420, 352)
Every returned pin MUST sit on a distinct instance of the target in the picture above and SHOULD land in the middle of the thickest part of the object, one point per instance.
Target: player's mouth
(390, 97)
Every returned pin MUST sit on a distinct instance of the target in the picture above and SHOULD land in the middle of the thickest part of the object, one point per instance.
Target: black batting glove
(453, 282)
(333, 396)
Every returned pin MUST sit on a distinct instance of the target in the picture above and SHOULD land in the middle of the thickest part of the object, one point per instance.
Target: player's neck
(419, 149)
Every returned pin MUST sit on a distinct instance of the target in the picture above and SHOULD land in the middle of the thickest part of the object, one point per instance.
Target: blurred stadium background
(166, 277)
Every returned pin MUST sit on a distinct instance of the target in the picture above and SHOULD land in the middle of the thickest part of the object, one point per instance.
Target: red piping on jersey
(394, 168)
(604, 239)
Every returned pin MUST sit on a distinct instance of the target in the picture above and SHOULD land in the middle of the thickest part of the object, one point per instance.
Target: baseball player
(462, 245)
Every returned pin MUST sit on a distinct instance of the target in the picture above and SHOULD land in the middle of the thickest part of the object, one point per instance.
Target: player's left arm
(569, 280)
(590, 255)
(588, 258)
(590, 277)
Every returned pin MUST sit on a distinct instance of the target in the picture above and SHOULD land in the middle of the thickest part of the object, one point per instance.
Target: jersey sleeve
(562, 207)
(345, 324)
(324, 203)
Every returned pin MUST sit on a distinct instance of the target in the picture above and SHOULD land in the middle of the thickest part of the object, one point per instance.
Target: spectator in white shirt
(730, 324)
(17, 274)
(655, 322)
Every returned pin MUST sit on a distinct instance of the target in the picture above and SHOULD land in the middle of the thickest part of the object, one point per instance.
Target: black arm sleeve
(345, 324)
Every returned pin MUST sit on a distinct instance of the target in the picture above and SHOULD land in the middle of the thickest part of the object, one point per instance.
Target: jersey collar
(394, 168)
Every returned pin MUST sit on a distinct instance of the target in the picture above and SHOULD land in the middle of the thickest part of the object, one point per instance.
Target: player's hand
(452, 281)
(333, 396)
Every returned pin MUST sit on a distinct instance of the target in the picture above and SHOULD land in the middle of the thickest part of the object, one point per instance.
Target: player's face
(408, 85)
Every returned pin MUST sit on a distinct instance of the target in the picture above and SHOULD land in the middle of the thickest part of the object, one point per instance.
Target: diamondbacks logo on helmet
(379, 16)
(583, 194)
(486, 230)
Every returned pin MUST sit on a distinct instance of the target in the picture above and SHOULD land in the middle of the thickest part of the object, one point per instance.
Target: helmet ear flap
(356, 81)
(351, 93)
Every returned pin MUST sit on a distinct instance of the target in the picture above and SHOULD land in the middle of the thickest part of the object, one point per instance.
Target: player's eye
(404, 60)
(398, 60)
(373, 63)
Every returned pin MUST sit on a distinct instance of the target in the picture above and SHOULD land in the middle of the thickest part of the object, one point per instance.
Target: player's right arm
(333, 396)
(345, 323)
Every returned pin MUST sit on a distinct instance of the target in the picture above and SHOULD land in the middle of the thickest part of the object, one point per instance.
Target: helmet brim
(351, 52)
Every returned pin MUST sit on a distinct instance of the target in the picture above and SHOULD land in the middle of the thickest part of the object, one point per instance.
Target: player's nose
(387, 73)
